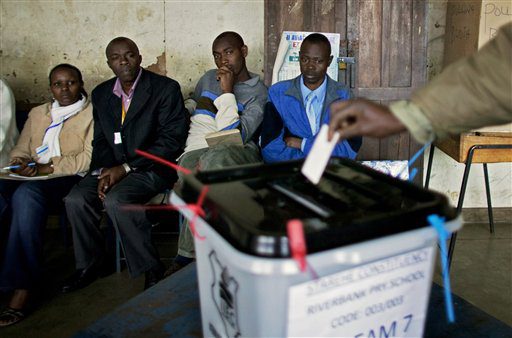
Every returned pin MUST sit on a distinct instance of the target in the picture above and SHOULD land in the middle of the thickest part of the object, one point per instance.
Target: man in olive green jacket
(471, 93)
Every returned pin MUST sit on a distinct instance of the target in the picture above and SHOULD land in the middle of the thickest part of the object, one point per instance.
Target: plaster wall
(447, 174)
(174, 38)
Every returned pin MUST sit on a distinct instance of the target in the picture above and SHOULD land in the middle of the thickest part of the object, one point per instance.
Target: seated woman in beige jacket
(56, 139)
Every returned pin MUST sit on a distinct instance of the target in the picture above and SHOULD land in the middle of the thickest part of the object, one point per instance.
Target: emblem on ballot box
(224, 294)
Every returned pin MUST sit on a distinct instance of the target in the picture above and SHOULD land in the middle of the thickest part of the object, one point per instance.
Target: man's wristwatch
(127, 168)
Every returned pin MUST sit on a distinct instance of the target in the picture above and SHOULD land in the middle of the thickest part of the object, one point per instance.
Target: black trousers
(84, 210)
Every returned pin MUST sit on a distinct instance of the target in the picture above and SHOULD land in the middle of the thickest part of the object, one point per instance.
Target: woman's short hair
(73, 68)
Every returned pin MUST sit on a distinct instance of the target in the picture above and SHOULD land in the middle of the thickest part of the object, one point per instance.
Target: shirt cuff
(303, 144)
(96, 172)
(190, 105)
(127, 168)
(226, 99)
(414, 120)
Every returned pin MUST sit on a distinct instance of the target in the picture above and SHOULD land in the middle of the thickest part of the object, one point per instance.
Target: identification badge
(117, 138)
(42, 150)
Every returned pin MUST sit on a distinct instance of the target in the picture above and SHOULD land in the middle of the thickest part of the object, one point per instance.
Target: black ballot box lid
(250, 205)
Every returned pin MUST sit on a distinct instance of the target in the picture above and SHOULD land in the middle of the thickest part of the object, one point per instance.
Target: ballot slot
(368, 195)
(352, 203)
(302, 199)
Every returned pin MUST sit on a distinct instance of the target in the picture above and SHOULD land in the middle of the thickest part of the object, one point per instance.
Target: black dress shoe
(80, 279)
(174, 267)
(153, 276)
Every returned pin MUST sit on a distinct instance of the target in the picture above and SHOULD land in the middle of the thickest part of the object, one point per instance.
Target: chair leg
(489, 202)
(459, 205)
(181, 219)
(451, 249)
(429, 165)
(63, 224)
(118, 244)
(118, 253)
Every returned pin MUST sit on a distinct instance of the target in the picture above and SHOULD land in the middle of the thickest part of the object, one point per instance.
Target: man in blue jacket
(297, 108)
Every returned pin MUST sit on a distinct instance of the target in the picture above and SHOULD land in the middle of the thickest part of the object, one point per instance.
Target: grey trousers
(84, 212)
(219, 157)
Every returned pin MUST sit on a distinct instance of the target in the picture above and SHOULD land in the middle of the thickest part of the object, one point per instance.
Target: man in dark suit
(135, 110)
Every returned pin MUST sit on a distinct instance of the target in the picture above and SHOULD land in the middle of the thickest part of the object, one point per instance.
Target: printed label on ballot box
(386, 298)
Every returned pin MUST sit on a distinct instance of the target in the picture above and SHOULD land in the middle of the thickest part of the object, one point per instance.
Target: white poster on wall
(387, 298)
(493, 15)
(286, 65)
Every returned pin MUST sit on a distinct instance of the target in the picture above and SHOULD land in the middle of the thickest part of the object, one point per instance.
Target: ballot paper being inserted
(319, 155)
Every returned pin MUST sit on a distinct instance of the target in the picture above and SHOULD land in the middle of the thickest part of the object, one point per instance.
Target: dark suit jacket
(156, 122)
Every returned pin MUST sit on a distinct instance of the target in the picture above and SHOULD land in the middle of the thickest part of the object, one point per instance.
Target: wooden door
(388, 40)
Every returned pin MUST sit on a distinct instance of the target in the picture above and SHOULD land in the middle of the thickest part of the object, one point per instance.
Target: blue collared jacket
(285, 115)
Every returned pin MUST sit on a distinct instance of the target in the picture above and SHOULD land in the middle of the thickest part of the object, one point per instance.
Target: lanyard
(442, 233)
(123, 112)
(413, 159)
(56, 125)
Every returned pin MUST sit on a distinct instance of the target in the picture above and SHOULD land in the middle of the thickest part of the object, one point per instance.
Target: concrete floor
(481, 274)
(482, 265)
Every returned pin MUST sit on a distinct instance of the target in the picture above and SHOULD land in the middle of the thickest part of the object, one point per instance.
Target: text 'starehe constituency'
(387, 298)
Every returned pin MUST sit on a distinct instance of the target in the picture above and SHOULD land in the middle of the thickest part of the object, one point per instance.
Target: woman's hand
(24, 169)
(45, 169)
(16, 161)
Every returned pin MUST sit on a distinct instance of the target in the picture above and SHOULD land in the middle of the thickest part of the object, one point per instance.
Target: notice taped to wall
(387, 298)
(286, 65)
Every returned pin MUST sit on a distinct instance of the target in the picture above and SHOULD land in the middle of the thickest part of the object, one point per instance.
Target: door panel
(397, 61)
(388, 40)
(369, 53)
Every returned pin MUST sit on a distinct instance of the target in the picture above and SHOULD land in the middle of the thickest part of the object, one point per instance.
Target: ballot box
(370, 251)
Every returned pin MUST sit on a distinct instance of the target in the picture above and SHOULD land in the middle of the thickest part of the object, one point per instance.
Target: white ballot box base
(376, 288)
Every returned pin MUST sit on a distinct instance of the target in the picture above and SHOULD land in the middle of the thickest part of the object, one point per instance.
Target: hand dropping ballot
(319, 156)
